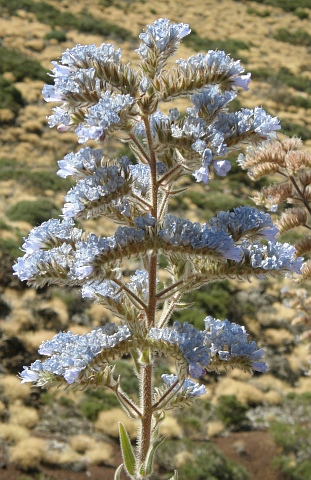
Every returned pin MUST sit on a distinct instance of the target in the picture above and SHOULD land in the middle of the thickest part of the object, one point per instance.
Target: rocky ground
(29, 151)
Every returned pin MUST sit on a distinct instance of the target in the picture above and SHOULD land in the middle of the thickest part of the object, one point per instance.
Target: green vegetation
(294, 437)
(128, 381)
(295, 129)
(286, 5)
(302, 14)
(50, 15)
(297, 37)
(58, 35)
(10, 97)
(207, 462)
(10, 247)
(37, 179)
(198, 415)
(95, 401)
(5, 226)
(231, 411)
(258, 13)
(21, 66)
(299, 101)
(283, 76)
(212, 464)
(33, 212)
(198, 43)
(213, 299)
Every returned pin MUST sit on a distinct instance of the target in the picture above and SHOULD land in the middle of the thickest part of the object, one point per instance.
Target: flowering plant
(100, 97)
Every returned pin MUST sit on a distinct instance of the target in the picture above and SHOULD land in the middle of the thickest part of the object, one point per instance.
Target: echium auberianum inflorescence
(101, 96)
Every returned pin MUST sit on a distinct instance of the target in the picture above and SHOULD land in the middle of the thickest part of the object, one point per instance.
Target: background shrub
(231, 411)
(297, 37)
(58, 35)
(33, 212)
(10, 96)
(21, 66)
(198, 43)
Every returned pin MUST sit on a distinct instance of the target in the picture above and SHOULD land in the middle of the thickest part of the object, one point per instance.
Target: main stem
(147, 371)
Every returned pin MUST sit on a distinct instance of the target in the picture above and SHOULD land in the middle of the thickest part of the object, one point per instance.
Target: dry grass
(273, 398)
(215, 428)
(101, 454)
(244, 392)
(28, 453)
(82, 443)
(182, 457)
(24, 416)
(13, 433)
(170, 428)
(269, 382)
(304, 385)
(298, 359)
(107, 422)
(278, 337)
(34, 339)
(62, 458)
(22, 319)
(13, 388)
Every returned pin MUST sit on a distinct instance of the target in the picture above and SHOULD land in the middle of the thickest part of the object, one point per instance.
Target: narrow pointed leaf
(147, 466)
(127, 451)
(117, 475)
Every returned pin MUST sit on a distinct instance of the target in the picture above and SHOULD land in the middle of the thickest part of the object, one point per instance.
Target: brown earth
(254, 450)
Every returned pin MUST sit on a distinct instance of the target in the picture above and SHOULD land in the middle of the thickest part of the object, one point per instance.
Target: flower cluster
(190, 342)
(102, 97)
(221, 340)
(230, 341)
(70, 354)
(177, 231)
(274, 256)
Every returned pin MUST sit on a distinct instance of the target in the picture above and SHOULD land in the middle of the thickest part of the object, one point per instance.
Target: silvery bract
(100, 96)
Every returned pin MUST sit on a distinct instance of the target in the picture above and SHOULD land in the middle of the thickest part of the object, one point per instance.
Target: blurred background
(246, 427)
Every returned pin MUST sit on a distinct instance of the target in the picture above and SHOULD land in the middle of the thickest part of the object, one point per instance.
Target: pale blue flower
(179, 232)
(70, 354)
(273, 256)
(243, 81)
(101, 288)
(243, 221)
(83, 163)
(160, 34)
(102, 115)
(202, 175)
(187, 387)
(222, 167)
(44, 236)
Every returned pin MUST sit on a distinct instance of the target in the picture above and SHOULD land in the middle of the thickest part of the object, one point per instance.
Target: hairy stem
(146, 419)
(147, 371)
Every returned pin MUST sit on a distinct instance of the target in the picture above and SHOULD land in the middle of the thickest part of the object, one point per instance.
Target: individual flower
(160, 35)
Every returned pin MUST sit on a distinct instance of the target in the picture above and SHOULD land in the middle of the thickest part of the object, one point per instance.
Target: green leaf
(147, 466)
(145, 357)
(127, 451)
(117, 475)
